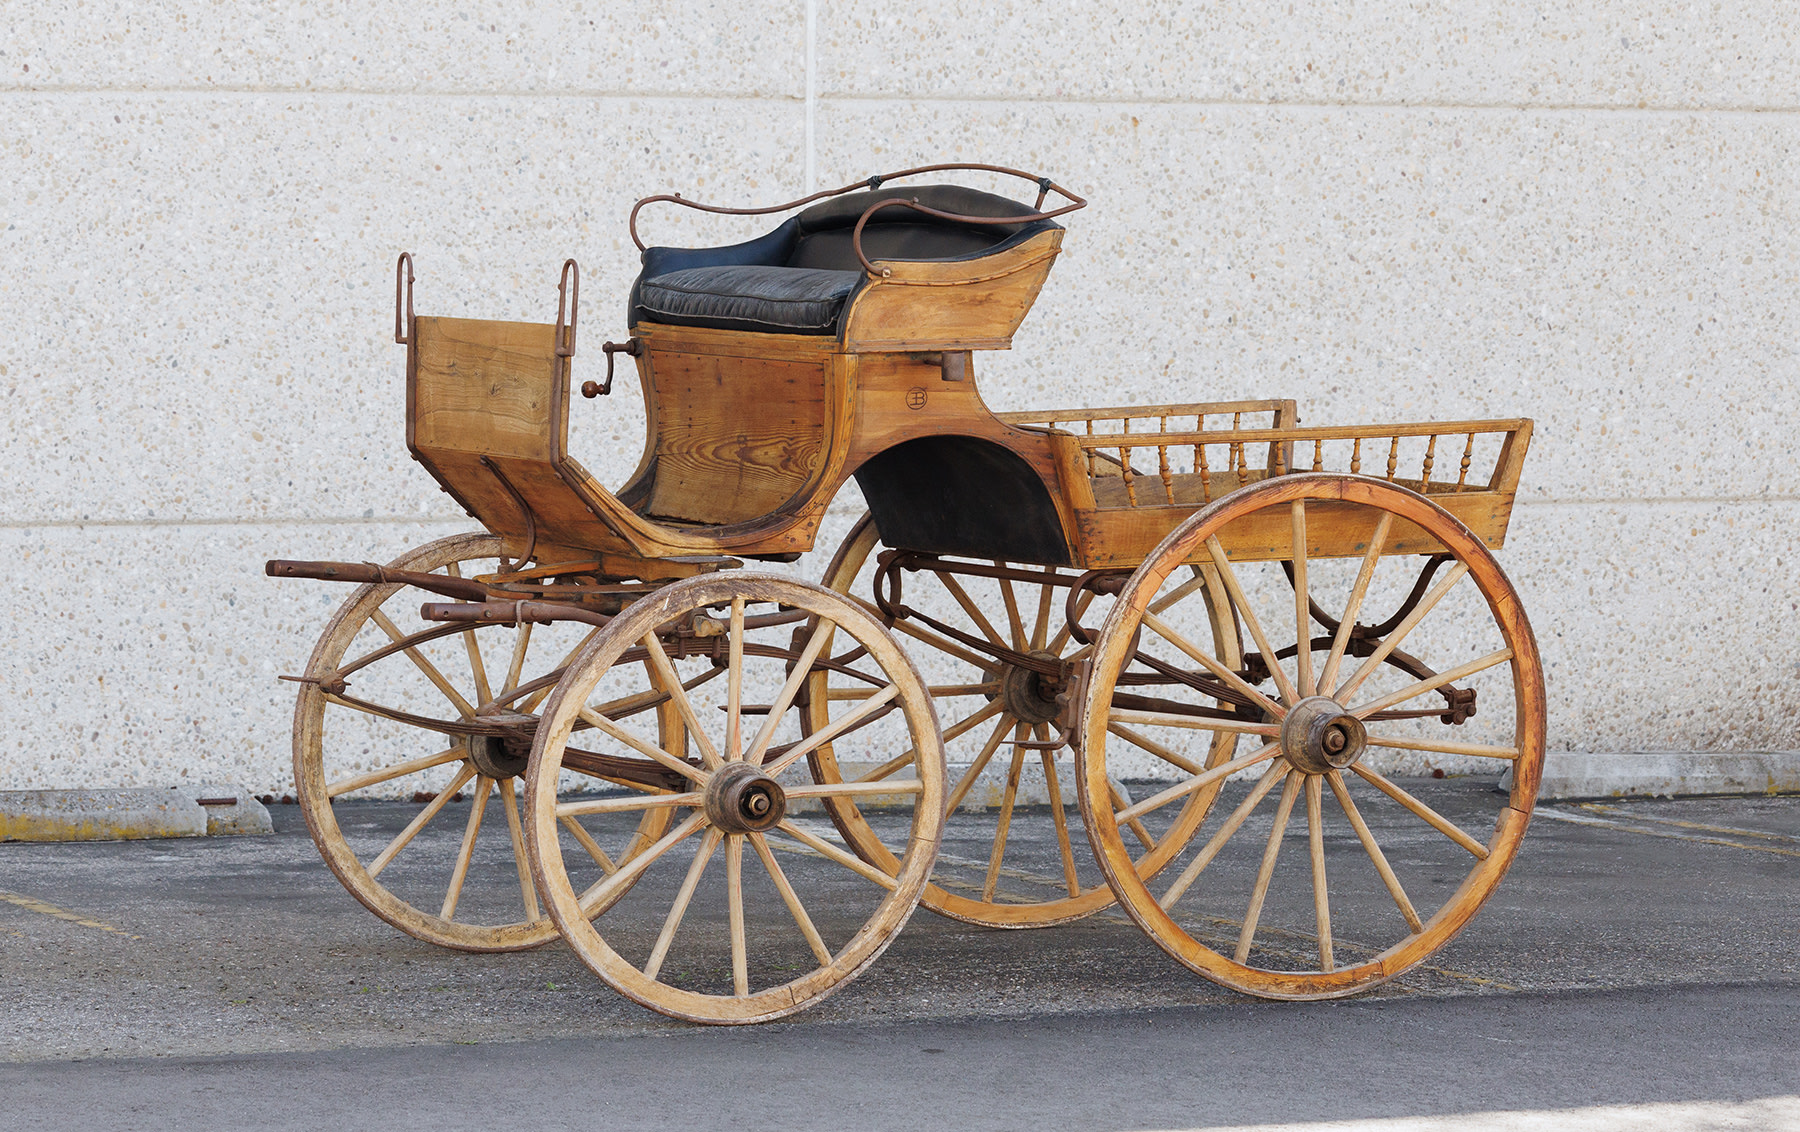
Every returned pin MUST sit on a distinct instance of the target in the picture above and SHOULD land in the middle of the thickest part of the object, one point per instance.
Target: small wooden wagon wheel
(1381, 873)
(987, 707)
(789, 914)
(440, 717)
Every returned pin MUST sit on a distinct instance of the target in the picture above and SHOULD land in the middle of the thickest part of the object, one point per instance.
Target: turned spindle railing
(1135, 458)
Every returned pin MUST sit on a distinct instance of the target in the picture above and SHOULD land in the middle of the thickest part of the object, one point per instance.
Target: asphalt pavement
(1639, 967)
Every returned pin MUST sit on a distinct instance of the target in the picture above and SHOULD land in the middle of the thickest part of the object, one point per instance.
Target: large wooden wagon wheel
(1381, 873)
(789, 914)
(439, 718)
(988, 707)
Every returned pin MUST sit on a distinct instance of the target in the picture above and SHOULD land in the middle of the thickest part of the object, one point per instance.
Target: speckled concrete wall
(1386, 210)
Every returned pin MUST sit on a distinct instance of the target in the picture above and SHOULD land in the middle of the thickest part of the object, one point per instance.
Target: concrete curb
(1662, 774)
(202, 810)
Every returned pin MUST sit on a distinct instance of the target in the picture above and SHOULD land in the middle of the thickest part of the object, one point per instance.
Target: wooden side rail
(1194, 468)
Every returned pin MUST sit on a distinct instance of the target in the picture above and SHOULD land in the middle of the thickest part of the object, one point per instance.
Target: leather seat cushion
(774, 300)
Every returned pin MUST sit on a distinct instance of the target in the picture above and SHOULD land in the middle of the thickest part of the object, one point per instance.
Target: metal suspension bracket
(887, 578)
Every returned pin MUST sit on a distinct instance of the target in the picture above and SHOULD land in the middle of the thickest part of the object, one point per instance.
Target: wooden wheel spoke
(1341, 640)
(1303, 666)
(734, 902)
(424, 665)
(1120, 801)
(665, 674)
(515, 667)
(1063, 634)
(1193, 722)
(633, 803)
(792, 900)
(397, 770)
(405, 836)
(1016, 623)
(1348, 805)
(734, 695)
(600, 893)
(1212, 665)
(784, 699)
(538, 697)
(958, 691)
(1238, 816)
(1004, 828)
(466, 852)
(1315, 829)
(1392, 641)
(968, 604)
(967, 781)
(1179, 593)
(456, 727)
(1040, 629)
(527, 890)
(1433, 684)
(1199, 782)
(940, 643)
(1151, 746)
(1053, 787)
(586, 840)
(959, 728)
(863, 714)
(1242, 604)
(1283, 809)
(642, 747)
(1445, 746)
(846, 789)
(832, 853)
(683, 897)
(1431, 817)
(477, 670)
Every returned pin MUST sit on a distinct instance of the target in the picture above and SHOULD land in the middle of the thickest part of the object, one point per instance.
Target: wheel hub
(740, 798)
(503, 756)
(1030, 696)
(1318, 736)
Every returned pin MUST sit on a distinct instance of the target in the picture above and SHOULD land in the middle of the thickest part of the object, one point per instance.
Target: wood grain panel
(1124, 538)
(736, 438)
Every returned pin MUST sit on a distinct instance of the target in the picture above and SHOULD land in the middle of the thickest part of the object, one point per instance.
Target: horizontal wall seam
(433, 520)
(1306, 104)
(799, 98)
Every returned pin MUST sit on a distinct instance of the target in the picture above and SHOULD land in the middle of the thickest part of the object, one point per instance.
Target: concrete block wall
(1388, 210)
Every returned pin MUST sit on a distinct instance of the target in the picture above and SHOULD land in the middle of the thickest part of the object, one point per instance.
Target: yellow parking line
(31, 905)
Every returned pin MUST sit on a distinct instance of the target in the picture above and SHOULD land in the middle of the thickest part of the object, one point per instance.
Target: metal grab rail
(1045, 187)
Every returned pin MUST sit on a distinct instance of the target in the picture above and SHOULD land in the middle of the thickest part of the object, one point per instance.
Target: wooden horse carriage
(1169, 610)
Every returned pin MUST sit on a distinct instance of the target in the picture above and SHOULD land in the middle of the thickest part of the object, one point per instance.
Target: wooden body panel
(1122, 538)
(735, 439)
(911, 307)
(752, 435)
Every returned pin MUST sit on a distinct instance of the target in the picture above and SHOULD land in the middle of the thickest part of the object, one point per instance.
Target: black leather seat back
(827, 230)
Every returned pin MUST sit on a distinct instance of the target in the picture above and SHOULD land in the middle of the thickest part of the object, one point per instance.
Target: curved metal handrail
(1045, 185)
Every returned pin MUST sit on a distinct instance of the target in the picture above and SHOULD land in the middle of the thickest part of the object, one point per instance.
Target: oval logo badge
(915, 398)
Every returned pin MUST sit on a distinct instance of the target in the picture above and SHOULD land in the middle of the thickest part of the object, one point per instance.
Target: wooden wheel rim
(839, 575)
(311, 789)
(584, 673)
(1502, 602)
